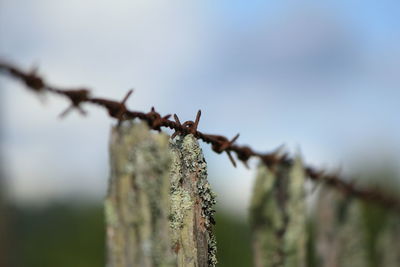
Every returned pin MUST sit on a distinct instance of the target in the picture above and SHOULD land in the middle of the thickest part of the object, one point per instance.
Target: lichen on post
(137, 203)
(192, 202)
(278, 216)
(159, 206)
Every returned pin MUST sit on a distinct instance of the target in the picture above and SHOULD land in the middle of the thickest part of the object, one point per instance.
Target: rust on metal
(219, 143)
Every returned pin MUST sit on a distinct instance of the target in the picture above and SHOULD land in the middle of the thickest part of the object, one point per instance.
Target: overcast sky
(321, 78)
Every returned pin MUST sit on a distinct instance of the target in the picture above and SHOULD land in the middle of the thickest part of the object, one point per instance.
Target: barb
(219, 143)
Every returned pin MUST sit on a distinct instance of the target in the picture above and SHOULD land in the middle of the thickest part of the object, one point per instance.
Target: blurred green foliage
(67, 234)
(61, 235)
(71, 233)
(374, 220)
(233, 241)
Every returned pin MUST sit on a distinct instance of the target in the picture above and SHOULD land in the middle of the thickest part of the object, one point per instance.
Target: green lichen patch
(208, 202)
(191, 196)
(110, 214)
(180, 204)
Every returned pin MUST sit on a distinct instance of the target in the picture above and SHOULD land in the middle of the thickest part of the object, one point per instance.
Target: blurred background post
(278, 216)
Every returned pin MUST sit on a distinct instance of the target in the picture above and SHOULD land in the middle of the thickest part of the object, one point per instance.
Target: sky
(319, 77)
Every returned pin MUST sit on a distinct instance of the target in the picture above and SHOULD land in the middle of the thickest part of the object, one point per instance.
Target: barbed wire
(219, 143)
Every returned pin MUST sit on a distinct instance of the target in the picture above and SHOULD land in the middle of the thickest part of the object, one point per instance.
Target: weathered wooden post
(278, 216)
(159, 203)
(137, 202)
(338, 230)
(350, 232)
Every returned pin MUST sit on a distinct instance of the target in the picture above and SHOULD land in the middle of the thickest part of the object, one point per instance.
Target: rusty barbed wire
(219, 143)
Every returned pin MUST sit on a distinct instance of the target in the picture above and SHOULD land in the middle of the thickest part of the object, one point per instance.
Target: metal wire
(219, 143)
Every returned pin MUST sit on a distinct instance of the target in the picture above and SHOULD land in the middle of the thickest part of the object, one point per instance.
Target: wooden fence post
(350, 232)
(192, 202)
(278, 216)
(159, 203)
(137, 203)
(338, 234)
